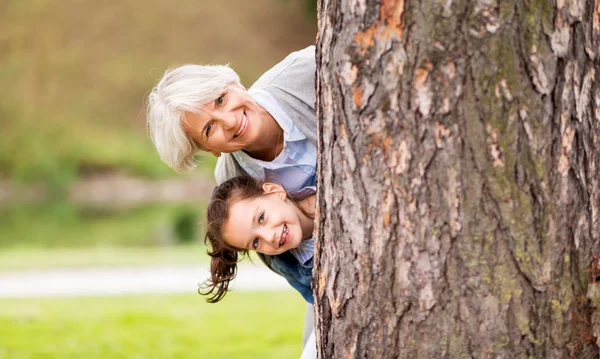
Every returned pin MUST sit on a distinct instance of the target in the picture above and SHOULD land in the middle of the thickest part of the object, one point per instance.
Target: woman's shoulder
(296, 73)
(292, 83)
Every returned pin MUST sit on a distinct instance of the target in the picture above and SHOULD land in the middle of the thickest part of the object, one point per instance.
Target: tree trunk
(459, 174)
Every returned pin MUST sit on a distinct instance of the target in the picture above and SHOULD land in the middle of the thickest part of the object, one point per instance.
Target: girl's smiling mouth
(285, 234)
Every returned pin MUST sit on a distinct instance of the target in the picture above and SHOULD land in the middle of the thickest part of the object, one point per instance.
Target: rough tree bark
(459, 173)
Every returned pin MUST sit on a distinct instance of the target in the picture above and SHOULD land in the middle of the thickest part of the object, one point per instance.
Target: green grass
(94, 257)
(75, 75)
(60, 225)
(61, 235)
(244, 325)
(50, 258)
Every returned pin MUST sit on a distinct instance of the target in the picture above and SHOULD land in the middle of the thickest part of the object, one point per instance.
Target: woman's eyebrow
(206, 109)
(215, 102)
(204, 129)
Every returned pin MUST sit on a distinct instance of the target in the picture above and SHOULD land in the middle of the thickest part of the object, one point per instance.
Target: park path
(130, 280)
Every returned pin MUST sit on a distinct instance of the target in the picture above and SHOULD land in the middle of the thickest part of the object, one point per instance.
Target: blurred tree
(71, 104)
(310, 5)
(459, 179)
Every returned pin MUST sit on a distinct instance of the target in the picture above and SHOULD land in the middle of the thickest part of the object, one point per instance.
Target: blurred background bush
(80, 182)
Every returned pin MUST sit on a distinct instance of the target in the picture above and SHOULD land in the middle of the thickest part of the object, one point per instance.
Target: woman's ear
(270, 187)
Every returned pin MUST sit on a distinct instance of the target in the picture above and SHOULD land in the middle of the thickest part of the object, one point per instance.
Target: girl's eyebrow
(254, 220)
(255, 215)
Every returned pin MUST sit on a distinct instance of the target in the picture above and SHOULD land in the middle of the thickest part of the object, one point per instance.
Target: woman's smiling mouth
(243, 126)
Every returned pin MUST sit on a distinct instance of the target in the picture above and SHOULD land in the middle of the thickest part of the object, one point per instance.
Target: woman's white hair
(182, 89)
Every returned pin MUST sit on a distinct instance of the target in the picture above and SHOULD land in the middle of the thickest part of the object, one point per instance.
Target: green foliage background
(75, 74)
(74, 78)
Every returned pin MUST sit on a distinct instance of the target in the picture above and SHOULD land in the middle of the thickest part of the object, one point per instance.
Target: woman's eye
(261, 218)
(208, 129)
(220, 100)
(255, 243)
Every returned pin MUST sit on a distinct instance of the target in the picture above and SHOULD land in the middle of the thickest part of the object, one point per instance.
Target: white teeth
(285, 231)
(244, 122)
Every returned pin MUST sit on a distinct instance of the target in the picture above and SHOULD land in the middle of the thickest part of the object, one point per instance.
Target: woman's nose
(227, 120)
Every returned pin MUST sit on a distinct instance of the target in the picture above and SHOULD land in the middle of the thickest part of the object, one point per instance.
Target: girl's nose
(270, 236)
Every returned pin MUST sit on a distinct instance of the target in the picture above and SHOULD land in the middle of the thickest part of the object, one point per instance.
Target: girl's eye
(208, 128)
(261, 218)
(255, 243)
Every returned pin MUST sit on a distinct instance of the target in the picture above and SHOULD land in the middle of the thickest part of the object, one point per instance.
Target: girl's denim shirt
(298, 274)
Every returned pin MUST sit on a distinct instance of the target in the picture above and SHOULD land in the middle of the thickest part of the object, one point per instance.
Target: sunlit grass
(244, 325)
(50, 258)
(107, 256)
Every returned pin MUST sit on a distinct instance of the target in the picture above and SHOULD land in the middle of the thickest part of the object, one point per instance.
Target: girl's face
(269, 224)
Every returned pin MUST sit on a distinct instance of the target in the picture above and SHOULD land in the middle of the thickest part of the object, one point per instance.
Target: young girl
(245, 214)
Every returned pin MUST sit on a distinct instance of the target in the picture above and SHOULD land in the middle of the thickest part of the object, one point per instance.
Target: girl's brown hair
(224, 257)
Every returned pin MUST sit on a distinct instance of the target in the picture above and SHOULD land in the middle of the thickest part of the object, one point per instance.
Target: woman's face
(230, 123)
(269, 224)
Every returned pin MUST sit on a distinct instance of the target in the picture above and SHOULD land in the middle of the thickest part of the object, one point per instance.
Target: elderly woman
(268, 132)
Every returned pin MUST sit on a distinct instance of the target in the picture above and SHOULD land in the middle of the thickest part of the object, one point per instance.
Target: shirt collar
(305, 251)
